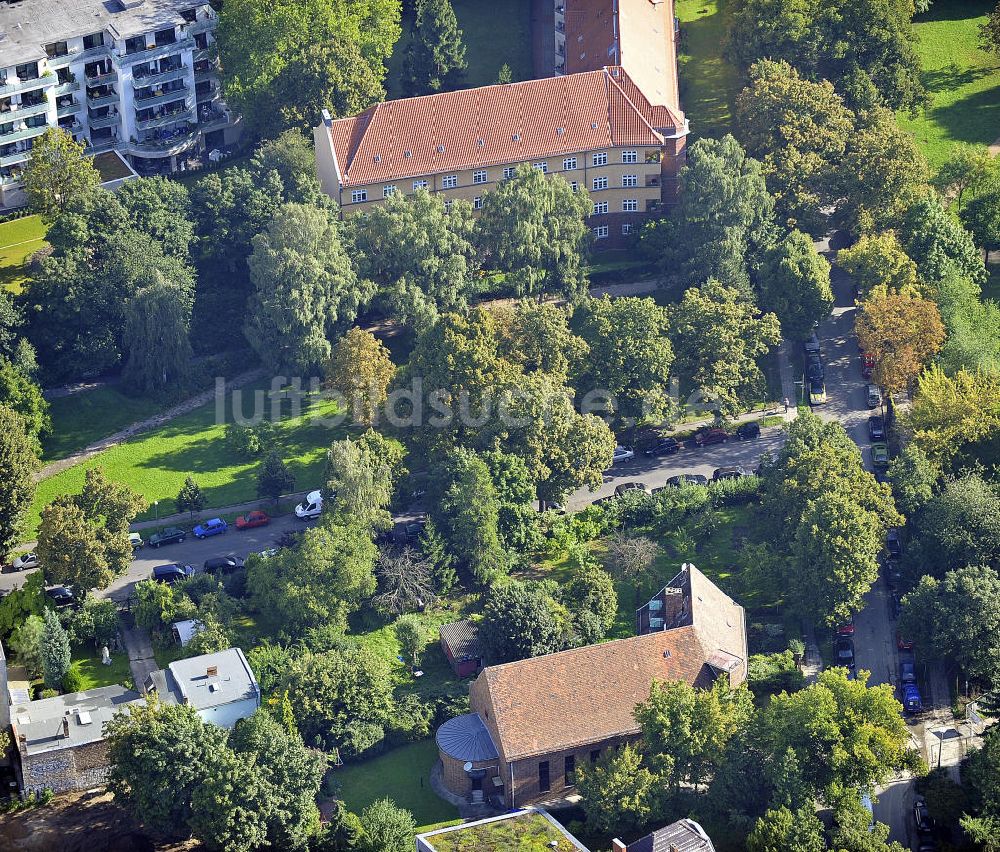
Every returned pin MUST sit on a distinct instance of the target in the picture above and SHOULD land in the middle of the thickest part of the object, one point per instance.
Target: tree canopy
(57, 172)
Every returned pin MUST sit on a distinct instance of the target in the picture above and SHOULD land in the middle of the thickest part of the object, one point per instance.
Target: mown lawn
(708, 83)
(156, 463)
(495, 32)
(88, 665)
(19, 239)
(402, 775)
(962, 80)
(83, 418)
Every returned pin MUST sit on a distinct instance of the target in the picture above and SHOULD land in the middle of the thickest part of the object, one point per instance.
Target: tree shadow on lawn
(954, 77)
(972, 119)
(955, 10)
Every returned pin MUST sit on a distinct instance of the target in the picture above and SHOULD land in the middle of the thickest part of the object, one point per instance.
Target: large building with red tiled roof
(535, 721)
(596, 129)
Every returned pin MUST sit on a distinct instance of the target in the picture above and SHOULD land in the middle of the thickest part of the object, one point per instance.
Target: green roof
(525, 832)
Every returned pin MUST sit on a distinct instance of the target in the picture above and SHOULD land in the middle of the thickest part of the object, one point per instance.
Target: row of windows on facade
(569, 770)
(601, 232)
(451, 181)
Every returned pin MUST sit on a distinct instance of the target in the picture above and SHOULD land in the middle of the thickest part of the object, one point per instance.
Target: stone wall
(67, 769)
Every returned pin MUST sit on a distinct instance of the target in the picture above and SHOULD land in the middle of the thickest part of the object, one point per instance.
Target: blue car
(216, 526)
(911, 699)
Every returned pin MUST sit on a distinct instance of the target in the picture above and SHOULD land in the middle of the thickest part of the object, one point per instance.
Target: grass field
(962, 80)
(83, 418)
(495, 32)
(19, 239)
(403, 775)
(708, 83)
(95, 674)
(156, 462)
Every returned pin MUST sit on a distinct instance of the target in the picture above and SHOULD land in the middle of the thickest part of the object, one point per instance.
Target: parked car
(911, 699)
(921, 816)
(414, 529)
(873, 396)
(867, 365)
(844, 648)
(268, 553)
(846, 629)
(135, 540)
(687, 479)
(215, 526)
(25, 561)
(811, 344)
(60, 596)
(729, 472)
(747, 431)
(814, 367)
(622, 454)
(706, 437)
(168, 535)
(907, 669)
(903, 644)
(311, 507)
(817, 392)
(172, 573)
(626, 487)
(664, 447)
(225, 564)
(880, 455)
(893, 543)
(252, 519)
(876, 428)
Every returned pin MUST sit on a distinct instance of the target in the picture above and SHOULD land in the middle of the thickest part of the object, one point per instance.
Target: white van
(310, 507)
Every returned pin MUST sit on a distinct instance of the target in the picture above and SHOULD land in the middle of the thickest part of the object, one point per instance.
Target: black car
(169, 535)
(876, 428)
(172, 573)
(61, 597)
(845, 652)
(733, 472)
(664, 447)
(225, 564)
(626, 487)
(921, 817)
(814, 367)
(894, 544)
(747, 431)
(687, 479)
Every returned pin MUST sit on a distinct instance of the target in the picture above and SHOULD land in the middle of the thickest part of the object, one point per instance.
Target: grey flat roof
(233, 679)
(41, 722)
(31, 24)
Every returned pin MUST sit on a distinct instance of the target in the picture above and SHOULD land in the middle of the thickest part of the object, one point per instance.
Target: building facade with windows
(535, 722)
(595, 129)
(136, 76)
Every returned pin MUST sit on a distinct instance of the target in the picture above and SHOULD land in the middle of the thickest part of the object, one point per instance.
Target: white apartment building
(136, 76)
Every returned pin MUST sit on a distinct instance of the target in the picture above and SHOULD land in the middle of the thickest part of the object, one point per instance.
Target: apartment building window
(630, 156)
(136, 44)
(600, 183)
(600, 207)
(626, 228)
(479, 176)
(447, 205)
(601, 232)
(164, 37)
(630, 205)
(570, 773)
(388, 190)
(359, 195)
(419, 184)
(477, 203)
(449, 181)
(57, 48)
(93, 40)
(600, 159)
(28, 71)
(630, 180)
(508, 172)
(542, 167)
(574, 186)
(569, 164)
(543, 776)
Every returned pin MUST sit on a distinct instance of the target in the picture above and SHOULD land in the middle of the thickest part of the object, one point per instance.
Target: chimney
(327, 118)
(212, 671)
(618, 846)
(65, 727)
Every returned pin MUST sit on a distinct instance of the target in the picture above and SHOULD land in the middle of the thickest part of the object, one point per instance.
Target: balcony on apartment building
(151, 75)
(60, 55)
(66, 106)
(111, 118)
(151, 50)
(66, 86)
(102, 96)
(212, 118)
(155, 96)
(197, 21)
(165, 142)
(19, 131)
(165, 117)
(100, 73)
(27, 108)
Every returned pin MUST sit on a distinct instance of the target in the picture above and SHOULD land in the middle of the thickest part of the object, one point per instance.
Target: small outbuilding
(184, 631)
(460, 643)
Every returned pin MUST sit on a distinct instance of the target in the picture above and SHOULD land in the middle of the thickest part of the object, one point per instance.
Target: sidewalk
(186, 518)
(140, 652)
(812, 664)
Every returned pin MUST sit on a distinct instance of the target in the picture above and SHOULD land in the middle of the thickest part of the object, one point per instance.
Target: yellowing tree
(903, 331)
(879, 259)
(360, 368)
(948, 411)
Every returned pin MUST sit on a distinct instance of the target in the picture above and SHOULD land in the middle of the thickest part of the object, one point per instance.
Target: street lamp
(156, 510)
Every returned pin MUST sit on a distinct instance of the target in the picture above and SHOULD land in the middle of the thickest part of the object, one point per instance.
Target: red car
(903, 644)
(846, 629)
(711, 436)
(251, 520)
(867, 365)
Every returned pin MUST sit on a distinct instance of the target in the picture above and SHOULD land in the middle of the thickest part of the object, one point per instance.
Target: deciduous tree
(913, 476)
(948, 411)
(274, 478)
(190, 498)
(902, 331)
(57, 171)
(966, 168)
(519, 622)
(360, 369)
(878, 260)
(157, 321)
(362, 481)
(411, 636)
(386, 827)
(938, 243)
(780, 829)
(18, 464)
(795, 285)
(405, 582)
(618, 792)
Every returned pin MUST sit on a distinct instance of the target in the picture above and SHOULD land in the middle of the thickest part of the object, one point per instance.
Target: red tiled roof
(585, 695)
(498, 124)
(636, 34)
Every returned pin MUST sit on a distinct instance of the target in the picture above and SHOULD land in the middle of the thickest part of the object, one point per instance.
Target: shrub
(72, 681)
(735, 492)
(250, 441)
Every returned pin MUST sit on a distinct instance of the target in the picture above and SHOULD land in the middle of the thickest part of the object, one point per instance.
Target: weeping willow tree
(157, 319)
